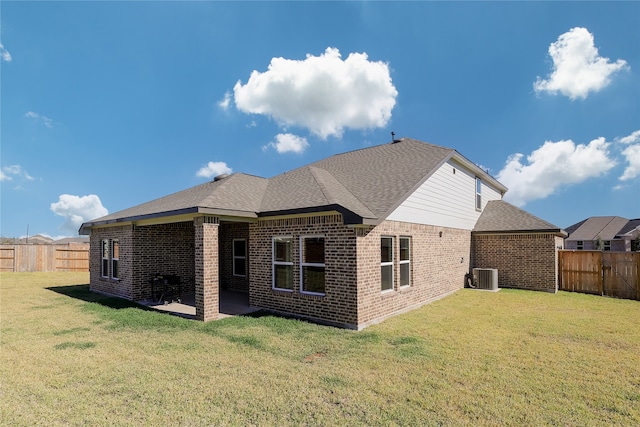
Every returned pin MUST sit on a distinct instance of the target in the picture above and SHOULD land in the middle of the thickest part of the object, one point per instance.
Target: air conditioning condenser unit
(485, 278)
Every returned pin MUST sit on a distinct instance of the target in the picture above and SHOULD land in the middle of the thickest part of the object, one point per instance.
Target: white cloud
(552, 166)
(14, 171)
(577, 68)
(4, 54)
(224, 103)
(76, 210)
(287, 142)
(632, 154)
(45, 120)
(213, 169)
(630, 139)
(323, 94)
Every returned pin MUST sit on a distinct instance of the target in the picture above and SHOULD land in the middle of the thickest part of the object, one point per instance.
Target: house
(348, 240)
(607, 233)
(522, 247)
(630, 235)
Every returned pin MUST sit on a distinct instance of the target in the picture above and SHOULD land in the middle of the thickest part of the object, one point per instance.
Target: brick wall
(338, 305)
(439, 262)
(207, 293)
(144, 252)
(163, 249)
(123, 287)
(525, 261)
(228, 232)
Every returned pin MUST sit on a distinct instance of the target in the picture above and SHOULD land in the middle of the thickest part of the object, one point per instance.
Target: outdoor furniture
(165, 288)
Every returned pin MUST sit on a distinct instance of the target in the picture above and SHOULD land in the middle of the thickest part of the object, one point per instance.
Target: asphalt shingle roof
(605, 227)
(500, 216)
(237, 192)
(370, 183)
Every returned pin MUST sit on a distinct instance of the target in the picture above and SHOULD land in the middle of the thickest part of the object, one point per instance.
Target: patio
(232, 303)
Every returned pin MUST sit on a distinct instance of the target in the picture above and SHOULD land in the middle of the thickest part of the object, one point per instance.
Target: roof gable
(604, 227)
(500, 216)
(366, 185)
(383, 176)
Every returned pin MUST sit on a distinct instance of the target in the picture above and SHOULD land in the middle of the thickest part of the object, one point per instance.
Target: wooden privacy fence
(614, 274)
(27, 258)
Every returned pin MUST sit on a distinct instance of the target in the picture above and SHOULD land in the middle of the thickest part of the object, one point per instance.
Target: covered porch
(205, 260)
(232, 303)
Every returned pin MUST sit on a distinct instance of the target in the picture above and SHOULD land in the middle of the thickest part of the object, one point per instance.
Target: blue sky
(105, 105)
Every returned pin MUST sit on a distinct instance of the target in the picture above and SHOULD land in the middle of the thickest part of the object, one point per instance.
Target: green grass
(70, 357)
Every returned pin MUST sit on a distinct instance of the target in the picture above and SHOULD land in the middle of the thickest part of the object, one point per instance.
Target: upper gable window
(478, 193)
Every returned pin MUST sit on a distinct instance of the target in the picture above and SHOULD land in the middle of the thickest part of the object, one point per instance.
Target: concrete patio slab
(232, 303)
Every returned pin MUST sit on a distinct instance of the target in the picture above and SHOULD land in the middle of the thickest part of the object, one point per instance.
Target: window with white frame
(104, 270)
(312, 277)
(478, 193)
(386, 263)
(405, 261)
(607, 245)
(240, 257)
(579, 245)
(283, 263)
(115, 258)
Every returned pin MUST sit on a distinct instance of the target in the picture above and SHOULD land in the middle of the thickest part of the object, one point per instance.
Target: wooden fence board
(614, 274)
(27, 258)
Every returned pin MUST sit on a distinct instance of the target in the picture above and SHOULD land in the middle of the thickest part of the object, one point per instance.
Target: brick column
(206, 268)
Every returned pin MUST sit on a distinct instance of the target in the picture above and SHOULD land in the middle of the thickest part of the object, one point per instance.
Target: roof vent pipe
(220, 177)
(393, 138)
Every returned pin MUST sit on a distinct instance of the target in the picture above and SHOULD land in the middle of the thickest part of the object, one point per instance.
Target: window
(405, 261)
(579, 245)
(104, 272)
(312, 264)
(478, 193)
(283, 263)
(607, 245)
(239, 257)
(115, 258)
(386, 263)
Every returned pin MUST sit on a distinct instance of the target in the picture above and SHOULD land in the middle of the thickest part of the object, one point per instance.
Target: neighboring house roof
(630, 229)
(604, 227)
(365, 185)
(499, 216)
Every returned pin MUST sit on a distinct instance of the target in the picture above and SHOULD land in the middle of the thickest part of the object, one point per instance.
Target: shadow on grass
(82, 293)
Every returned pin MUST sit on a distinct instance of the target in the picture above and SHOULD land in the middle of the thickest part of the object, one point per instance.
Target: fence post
(601, 275)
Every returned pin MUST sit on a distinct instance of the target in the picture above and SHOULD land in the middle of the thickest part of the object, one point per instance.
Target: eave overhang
(178, 215)
(555, 231)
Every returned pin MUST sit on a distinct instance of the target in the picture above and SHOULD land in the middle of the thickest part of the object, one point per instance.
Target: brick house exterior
(522, 247)
(348, 241)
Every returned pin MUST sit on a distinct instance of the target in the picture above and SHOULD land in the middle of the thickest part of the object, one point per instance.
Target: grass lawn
(69, 357)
